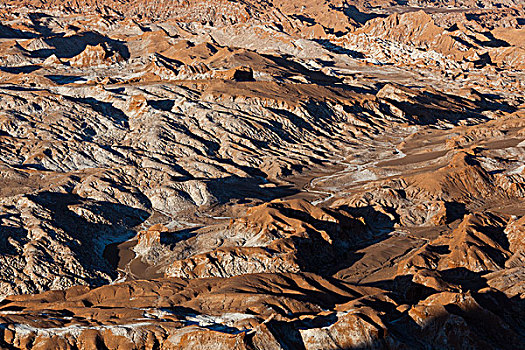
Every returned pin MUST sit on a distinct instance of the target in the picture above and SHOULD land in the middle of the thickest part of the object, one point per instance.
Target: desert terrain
(248, 174)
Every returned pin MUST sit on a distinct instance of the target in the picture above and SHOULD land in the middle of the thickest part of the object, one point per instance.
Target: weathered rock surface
(262, 175)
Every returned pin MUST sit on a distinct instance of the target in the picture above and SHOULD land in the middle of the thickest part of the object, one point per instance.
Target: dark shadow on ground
(89, 236)
(10, 33)
(330, 246)
(161, 105)
(65, 79)
(173, 237)
(68, 47)
(427, 107)
(22, 69)
(327, 44)
(240, 188)
(292, 68)
(104, 108)
(353, 13)
(37, 18)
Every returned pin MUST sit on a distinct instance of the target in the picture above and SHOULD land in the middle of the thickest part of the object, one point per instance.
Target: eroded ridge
(262, 175)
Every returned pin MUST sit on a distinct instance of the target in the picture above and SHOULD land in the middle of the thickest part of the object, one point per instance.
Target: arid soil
(262, 174)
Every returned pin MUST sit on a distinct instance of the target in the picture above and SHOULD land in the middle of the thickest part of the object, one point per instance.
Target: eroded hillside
(262, 175)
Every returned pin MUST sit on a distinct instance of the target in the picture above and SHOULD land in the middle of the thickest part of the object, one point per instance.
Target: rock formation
(262, 175)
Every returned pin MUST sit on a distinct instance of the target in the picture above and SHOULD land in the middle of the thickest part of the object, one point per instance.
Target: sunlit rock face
(262, 175)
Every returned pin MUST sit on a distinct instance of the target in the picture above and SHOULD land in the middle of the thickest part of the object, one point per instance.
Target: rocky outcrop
(262, 175)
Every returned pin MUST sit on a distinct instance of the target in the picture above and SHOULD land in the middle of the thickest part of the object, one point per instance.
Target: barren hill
(262, 174)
